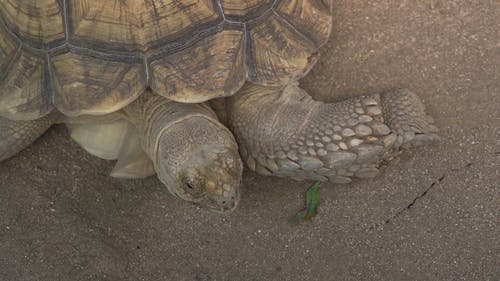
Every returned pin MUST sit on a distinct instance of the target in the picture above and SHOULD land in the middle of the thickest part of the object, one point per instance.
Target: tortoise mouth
(222, 198)
(215, 183)
(221, 204)
(216, 190)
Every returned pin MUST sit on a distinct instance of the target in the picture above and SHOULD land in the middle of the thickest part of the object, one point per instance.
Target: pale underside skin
(112, 137)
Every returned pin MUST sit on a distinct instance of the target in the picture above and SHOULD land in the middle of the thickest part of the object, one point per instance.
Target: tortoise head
(212, 178)
(206, 171)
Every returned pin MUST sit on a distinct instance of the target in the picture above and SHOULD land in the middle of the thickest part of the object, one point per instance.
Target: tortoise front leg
(17, 135)
(284, 132)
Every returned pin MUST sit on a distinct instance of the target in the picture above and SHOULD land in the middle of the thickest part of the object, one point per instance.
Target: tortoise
(187, 89)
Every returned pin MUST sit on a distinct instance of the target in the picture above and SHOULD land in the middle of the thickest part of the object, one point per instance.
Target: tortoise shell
(96, 56)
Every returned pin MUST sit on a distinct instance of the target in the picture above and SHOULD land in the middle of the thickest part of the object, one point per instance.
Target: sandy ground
(432, 215)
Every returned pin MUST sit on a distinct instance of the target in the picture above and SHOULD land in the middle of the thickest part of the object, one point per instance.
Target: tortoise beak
(221, 204)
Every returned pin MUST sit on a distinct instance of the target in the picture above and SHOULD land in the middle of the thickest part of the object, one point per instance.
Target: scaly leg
(284, 132)
(17, 135)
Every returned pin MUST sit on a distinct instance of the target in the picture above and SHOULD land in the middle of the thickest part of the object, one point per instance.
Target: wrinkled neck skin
(194, 155)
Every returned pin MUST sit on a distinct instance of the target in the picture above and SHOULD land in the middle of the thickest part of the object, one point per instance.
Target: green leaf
(312, 204)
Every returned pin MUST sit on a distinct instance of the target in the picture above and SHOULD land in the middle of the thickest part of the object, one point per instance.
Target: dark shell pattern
(96, 56)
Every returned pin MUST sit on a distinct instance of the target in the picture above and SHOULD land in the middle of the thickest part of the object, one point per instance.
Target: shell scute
(95, 56)
(95, 86)
(40, 22)
(278, 53)
(310, 17)
(212, 67)
(241, 9)
(25, 91)
(137, 25)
